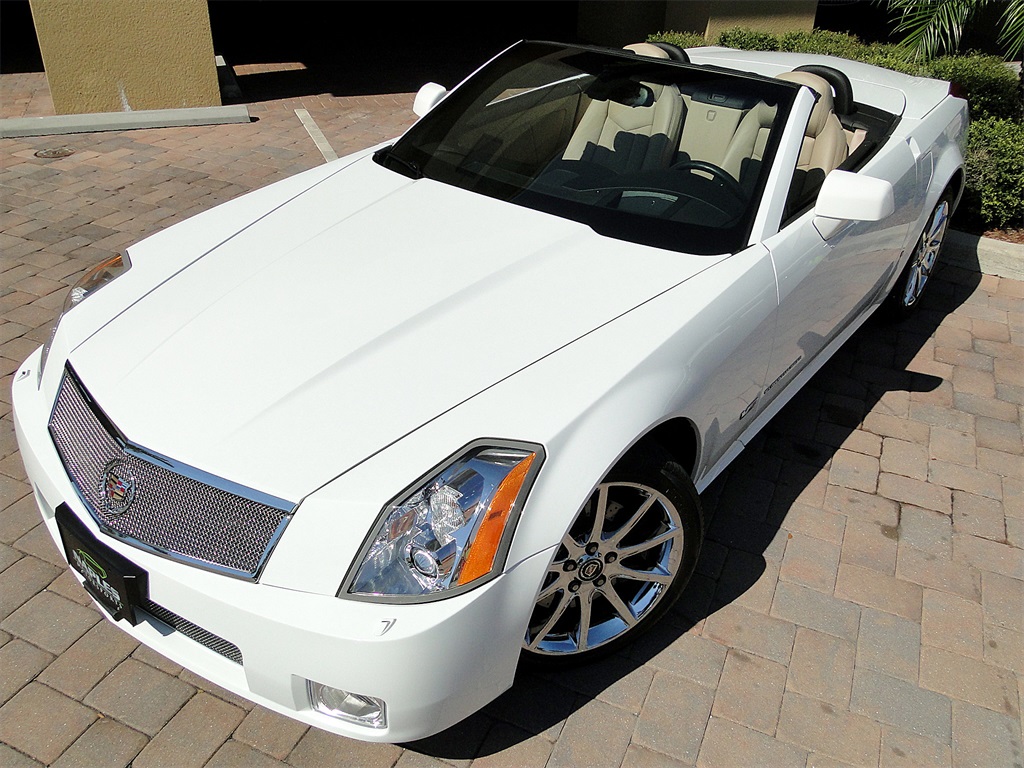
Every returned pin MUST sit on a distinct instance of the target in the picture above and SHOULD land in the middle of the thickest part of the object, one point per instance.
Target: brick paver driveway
(860, 599)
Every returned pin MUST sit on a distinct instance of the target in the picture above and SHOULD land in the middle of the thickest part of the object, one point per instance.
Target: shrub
(823, 42)
(992, 88)
(995, 181)
(748, 40)
(682, 39)
(891, 57)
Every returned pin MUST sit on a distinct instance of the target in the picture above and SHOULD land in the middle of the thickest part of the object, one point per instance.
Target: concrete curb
(122, 121)
(984, 254)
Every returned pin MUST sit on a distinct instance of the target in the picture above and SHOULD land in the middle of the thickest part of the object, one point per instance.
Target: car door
(736, 326)
(829, 276)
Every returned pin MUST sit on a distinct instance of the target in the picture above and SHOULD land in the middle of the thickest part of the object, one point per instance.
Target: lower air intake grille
(190, 630)
(157, 504)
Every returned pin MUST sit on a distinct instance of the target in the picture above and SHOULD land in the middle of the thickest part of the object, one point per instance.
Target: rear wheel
(906, 295)
(621, 565)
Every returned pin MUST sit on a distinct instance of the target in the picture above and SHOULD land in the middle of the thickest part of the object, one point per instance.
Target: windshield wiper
(388, 159)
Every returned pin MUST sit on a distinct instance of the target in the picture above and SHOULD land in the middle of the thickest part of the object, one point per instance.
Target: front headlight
(90, 282)
(451, 529)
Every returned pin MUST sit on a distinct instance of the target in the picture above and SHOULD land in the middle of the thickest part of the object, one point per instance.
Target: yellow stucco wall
(687, 15)
(121, 55)
(778, 16)
(618, 22)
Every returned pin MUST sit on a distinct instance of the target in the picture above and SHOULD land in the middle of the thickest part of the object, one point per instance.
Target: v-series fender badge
(749, 408)
(783, 374)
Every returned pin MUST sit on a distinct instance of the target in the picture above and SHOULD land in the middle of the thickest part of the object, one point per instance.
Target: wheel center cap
(590, 568)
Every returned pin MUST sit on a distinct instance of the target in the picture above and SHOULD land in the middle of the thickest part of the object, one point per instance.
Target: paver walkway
(860, 599)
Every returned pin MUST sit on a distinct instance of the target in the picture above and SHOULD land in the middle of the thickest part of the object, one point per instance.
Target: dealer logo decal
(96, 575)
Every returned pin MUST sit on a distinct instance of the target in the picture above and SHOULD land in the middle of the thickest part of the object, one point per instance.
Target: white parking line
(316, 135)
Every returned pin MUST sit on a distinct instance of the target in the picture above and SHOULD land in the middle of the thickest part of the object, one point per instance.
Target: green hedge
(748, 39)
(995, 173)
(682, 39)
(891, 57)
(823, 42)
(990, 85)
(994, 195)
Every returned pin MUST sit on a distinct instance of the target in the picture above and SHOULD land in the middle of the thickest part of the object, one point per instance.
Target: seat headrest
(824, 106)
(647, 49)
(842, 88)
(659, 50)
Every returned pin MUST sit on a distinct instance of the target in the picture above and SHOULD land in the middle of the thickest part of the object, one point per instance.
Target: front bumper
(433, 664)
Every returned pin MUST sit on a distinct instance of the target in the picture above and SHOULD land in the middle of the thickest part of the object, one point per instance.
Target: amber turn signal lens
(488, 535)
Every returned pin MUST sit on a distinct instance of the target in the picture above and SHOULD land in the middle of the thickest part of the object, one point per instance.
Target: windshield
(639, 149)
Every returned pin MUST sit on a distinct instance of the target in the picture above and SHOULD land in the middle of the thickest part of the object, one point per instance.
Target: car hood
(365, 307)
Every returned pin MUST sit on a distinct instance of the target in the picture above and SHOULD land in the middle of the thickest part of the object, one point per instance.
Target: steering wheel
(612, 195)
(719, 174)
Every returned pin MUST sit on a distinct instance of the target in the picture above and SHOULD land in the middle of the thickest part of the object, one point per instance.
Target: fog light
(353, 707)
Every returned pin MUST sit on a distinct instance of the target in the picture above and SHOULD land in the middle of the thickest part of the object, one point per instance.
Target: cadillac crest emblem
(117, 487)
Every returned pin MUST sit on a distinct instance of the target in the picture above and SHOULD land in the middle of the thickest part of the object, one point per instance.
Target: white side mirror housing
(427, 98)
(848, 196)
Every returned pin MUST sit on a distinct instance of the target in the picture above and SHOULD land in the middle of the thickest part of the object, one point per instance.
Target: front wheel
(623, 562)
(906, 295)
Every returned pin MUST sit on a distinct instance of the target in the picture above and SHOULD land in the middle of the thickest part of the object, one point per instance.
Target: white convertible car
(355, 444)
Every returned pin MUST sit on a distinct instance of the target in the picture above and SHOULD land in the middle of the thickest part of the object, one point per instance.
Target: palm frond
(1012, 34)
(933, 26)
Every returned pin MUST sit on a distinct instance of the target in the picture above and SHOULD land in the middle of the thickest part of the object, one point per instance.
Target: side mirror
(427, 98)
(846, 196)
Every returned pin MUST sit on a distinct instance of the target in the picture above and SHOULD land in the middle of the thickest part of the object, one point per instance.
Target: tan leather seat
(631, 138)
(746, 149)
(825, 146)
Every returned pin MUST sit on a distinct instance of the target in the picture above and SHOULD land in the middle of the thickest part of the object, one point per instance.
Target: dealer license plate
(115, 582)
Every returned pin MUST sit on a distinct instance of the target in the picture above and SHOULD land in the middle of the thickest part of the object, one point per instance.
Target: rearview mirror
(621, 90)
(427, 98)
(846, 196)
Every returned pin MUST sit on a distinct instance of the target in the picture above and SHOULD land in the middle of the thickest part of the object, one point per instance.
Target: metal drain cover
(55, 152)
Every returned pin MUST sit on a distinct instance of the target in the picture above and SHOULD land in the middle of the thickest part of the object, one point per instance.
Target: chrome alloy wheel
(923, 261)
(614, 565)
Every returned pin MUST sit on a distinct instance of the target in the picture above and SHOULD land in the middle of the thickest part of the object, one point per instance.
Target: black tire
(906, 294)
(612, 578)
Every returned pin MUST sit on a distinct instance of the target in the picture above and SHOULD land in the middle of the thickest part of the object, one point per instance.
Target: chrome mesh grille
(204, 637)
(173, 514)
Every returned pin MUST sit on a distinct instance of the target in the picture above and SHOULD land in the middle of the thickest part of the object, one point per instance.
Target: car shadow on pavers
(798, 465)
(779, 484)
